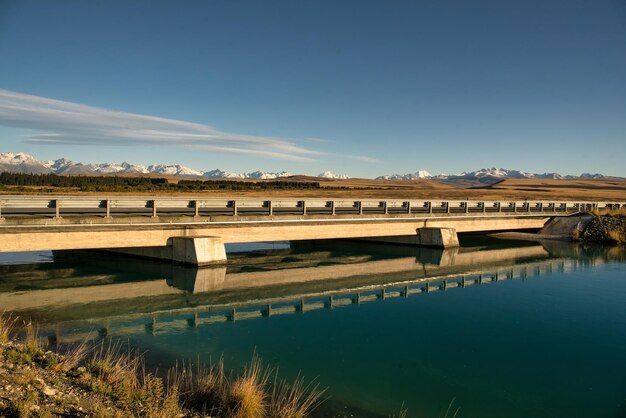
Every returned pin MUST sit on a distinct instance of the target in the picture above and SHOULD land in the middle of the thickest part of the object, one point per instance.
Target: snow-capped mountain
(485, 174)
(331, 175)
(219, 174)
(418, 175)
(24, 163)
(173, 170)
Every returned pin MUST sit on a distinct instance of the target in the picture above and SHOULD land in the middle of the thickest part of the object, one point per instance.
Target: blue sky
(356, 87)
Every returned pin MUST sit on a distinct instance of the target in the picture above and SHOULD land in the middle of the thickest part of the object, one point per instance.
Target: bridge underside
(202, 243)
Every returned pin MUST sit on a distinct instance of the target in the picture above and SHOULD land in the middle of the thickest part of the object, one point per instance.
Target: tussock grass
(203, 388)
(246, 397)
(294, 400)
(71, 357)
(33, 343)
(112, 371)
(7, 326)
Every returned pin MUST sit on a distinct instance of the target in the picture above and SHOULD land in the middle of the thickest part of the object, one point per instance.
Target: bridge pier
(193, 251)
(425, 237)
(438, 237)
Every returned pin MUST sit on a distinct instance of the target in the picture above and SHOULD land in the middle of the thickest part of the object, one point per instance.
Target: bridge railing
(56, 206)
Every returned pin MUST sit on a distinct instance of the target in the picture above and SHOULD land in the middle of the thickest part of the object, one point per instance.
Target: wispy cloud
(362, 158)
(63, 122)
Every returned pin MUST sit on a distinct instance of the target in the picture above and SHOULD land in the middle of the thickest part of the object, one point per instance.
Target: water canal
(498, 328)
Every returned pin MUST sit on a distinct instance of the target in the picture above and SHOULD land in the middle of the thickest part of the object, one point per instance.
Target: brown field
(574, 189)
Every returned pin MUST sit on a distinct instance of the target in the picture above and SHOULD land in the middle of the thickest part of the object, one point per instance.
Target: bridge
(194, 230)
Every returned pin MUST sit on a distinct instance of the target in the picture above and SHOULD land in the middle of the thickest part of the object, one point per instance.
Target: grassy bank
(106, 379)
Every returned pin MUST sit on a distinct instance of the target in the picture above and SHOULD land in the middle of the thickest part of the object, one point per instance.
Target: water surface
(499, 328)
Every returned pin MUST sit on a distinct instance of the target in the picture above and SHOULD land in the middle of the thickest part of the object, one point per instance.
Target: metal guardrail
(57, 206)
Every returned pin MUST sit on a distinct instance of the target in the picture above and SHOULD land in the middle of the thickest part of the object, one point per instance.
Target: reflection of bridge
(181, 319)
(181, 280)
(194, 231)
(298, 290)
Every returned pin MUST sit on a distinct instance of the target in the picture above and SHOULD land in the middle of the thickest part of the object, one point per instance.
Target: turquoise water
(547, 338)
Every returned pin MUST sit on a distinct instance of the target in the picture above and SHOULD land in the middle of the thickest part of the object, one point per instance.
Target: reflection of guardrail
(166, 321)
(56, 206)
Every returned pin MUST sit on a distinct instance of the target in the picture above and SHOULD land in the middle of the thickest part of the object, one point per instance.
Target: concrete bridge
(194, 231)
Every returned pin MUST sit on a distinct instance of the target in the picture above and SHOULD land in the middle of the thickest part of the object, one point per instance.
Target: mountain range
(487, 174)
(24, 163)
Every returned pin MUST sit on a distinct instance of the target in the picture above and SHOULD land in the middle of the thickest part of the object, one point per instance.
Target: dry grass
(111, 370)
(72, 356)
(33, 343)
(294, 401)
(202, 389)
(246, 397)
(617, 236)
(7, 326)
(608, 212)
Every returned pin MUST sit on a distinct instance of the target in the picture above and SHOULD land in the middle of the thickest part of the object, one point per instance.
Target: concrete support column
(193, 251)
(438, 237)
(198, 251)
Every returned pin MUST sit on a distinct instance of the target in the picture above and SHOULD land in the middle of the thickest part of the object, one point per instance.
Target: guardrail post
(107, 205)
(385, 207)
(303, 207)
(57, 208)
(270, 210)
(447, 207)
(430, 207)
(1, 218)
(499, 206)
(483, 206)
(154, 209)
(466, 207)
(360, 207)
(234, 202)
(196, 208)
(514, 207)
(408, 207)
(332, 207)
(540, 206)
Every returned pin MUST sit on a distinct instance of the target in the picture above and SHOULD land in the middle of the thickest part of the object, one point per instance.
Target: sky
(361, 88)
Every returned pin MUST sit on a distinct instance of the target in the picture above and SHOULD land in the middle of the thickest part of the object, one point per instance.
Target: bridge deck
(31, 223)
